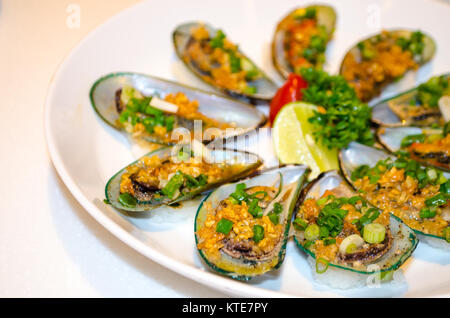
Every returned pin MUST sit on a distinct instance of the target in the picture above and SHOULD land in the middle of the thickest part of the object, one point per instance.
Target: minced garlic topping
(211, 241)
(398, 194)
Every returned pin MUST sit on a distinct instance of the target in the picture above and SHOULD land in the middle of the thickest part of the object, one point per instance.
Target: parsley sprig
(346, 118)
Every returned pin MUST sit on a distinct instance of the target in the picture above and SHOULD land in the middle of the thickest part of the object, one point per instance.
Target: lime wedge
(294, 140)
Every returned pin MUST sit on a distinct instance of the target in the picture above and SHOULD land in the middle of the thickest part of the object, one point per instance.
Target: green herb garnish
(138, 110)
(224, 226)
(300, 224)
(173, 185)
(409, 140)
(429, 93)
(127, 200)
(258, 233)
(235, 62)
(412, 168)
(217, 41)
(331, 218)
(414, 43)
(274, 215)
(346, 118)
(427, 213)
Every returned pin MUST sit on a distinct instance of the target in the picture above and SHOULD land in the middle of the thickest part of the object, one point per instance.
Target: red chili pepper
(289, 92)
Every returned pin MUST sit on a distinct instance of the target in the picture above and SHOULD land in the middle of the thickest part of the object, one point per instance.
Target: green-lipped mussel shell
(356, 155)
(326, 16)
(391, 139)
(246, 163)
(266, 88)
(404, 241)
(241, 268)
(427, 54)
(222, 109)
(383, 114)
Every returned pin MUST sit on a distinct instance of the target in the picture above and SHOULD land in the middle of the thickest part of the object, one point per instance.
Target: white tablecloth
(50, 246)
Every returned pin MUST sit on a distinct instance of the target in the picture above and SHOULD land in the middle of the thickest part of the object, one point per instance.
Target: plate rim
(200, 275)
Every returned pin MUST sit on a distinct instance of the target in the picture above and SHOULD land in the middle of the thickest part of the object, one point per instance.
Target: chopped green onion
(329, 241)
(350, 244)
(323, 232)
(386, 276)
(438, 200)
(312, 232)
(239, 194)
(310, 13)
(258, 233)
(217, 41)
(173, 185)
(446, 234)
(274, 218)
(367, 53)
(351, 248)
(427, 213)
(202, 179)
(308, 244)
(432, 174)
(355, 199)
(442, 179)
(322, 201)
(235, 62)
(370, 216)
(300, 224)
(445, 188)
(321, 265)
(191, 181)
(254, 209)
(127, 200)
(250, 90)
(409, 140)
(374, 233)
(224, 226)
(183, 156)
(446, 129)
(277, 208)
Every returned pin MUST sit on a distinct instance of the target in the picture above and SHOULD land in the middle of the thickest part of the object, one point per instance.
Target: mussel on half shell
(301, 37)
(255, 240)
(124, 101)
(416, 107)
(207, 53)
(381, 59)
(355, 255)
(404, 187)
(173, 174)
(426, 145)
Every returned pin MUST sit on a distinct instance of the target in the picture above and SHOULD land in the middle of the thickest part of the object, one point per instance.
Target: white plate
(86, 152)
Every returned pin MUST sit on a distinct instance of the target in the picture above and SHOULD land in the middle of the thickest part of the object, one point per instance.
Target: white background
(49, 246)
